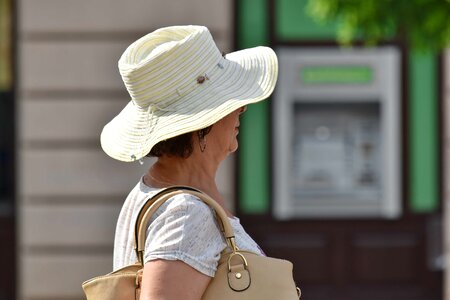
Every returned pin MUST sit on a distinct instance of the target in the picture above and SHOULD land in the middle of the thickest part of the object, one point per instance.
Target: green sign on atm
(336, 75)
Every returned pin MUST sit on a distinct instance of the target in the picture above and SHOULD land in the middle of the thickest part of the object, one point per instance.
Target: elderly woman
(186, 100)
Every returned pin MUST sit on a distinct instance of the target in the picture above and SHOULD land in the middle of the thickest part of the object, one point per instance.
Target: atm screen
(336, 150)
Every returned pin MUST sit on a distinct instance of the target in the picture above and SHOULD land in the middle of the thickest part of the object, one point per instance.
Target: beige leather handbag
(240, 274)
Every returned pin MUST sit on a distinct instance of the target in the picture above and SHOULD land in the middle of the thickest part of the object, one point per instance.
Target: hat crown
(160, 67)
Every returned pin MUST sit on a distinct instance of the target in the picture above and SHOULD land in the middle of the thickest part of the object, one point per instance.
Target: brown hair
(179, 146)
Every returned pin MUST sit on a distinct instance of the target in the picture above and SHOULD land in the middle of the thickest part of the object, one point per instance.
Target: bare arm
(170, 280)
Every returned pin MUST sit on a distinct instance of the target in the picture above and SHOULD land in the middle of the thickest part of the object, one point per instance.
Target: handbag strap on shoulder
(152, 205)
(150, 201)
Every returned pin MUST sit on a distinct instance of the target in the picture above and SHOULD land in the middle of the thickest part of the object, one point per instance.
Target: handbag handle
(148, 203)
(152, 205)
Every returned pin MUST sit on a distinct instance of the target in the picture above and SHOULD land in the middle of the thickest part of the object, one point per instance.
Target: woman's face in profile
(223, 135)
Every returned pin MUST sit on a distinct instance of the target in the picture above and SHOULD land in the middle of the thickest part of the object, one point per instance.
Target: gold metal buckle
(236, 254)
(232, 244)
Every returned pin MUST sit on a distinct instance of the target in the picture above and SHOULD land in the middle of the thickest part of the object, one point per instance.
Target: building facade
(68, 192)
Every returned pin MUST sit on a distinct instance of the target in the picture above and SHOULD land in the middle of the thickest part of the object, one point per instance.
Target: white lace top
(183, 228)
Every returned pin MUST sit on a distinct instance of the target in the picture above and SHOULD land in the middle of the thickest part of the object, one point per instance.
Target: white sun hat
(179, 82)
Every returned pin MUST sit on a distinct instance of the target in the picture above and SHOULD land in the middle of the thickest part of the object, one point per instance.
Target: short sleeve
(184, 228)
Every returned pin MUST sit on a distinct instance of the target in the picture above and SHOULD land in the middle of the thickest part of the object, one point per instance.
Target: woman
(186, 102)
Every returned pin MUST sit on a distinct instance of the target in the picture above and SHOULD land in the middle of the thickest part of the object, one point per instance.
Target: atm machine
(336, 116)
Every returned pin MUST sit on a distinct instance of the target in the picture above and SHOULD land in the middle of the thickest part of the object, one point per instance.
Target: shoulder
(184, 210)
(187, 203)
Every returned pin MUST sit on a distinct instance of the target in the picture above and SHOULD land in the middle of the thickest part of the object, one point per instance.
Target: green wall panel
(254, 160)
(252, 23)
(293, 23)
(423, 139)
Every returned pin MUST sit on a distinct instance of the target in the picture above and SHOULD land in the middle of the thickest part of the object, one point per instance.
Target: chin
(233, 149)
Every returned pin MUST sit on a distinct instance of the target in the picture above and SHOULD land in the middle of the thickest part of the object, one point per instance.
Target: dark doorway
(345, 260)
(7, 195)
(7, 152)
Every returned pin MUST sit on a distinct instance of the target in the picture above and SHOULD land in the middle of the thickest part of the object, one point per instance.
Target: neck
(193, 171)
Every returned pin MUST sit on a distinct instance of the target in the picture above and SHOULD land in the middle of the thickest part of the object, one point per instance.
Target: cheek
(226, 133)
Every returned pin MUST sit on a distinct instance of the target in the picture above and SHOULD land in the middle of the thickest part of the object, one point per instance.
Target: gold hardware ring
(236, 254)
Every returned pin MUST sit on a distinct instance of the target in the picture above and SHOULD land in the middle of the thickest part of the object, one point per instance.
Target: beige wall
(69, 191)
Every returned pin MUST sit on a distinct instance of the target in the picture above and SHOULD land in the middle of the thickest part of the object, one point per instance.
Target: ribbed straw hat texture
(179, 82)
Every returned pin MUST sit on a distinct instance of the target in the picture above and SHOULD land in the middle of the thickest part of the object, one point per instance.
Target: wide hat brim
(244, 77)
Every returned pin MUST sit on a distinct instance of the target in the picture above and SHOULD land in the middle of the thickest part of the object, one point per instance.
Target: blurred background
(344, 171)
